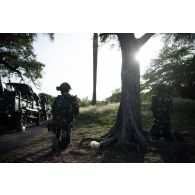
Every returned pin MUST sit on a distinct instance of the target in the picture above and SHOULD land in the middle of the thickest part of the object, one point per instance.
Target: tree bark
(95, 56)
(128, 125)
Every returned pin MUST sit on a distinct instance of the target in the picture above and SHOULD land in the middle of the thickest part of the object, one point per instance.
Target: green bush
(115, 97)
(146, 96)
(84, 102)
(95, 121)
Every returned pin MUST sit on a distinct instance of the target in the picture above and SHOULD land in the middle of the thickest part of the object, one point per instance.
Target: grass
(96, 120)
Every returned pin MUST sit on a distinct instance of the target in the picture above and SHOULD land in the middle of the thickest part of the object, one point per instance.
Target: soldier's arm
(54, 105)
(76, 106)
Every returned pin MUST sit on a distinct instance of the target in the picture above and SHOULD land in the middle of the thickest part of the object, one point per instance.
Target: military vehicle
(18, 105)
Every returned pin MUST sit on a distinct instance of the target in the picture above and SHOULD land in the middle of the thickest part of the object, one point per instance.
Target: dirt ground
(41, 146)
(44, 148)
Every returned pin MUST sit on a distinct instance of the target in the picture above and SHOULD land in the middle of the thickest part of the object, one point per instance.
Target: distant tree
(84, 102)
(175, 65)
(17, 56)
(115, 97)
(95, 57)
(128, 125)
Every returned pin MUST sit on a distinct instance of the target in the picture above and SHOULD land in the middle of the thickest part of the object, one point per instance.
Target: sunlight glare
(137, 56)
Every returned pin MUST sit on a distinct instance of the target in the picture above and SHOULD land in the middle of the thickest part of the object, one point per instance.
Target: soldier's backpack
(65, 107)
(162, 103)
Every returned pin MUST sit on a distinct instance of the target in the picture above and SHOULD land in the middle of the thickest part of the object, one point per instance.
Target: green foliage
(184, 105)
(174, 66)
(95, 121)
(184, 38)
(17, 56)
(107, 36)
(84, 102)
(146, 96)
(115, 97)
(183, 112)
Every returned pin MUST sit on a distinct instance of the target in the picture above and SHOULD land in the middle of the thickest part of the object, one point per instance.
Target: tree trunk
(95, 55)
(128, 125)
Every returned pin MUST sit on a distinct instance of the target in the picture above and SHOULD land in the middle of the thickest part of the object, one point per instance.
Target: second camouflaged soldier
(64, 109)
(44, 106)
(162, 107)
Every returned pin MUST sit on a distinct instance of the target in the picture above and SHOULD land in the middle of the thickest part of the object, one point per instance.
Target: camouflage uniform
(43, 102)
(64, 109)
(161, 107)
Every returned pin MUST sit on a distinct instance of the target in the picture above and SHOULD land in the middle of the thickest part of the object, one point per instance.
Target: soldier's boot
(58, 135)
(65, 141)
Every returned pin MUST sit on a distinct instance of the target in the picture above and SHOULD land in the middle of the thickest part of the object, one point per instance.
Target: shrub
(115, 97)
(84, 102)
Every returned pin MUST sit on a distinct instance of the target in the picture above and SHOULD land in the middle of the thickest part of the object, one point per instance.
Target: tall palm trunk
(95, 56)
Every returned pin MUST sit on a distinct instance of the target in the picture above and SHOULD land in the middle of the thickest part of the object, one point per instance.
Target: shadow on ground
(173, 152)
(158, 151)
(45, 149)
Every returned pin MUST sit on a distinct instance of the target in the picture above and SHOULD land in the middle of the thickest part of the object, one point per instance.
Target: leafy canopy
(17, 56)
(175, 64)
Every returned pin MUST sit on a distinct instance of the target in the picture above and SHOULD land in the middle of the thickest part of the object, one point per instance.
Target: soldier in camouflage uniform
(64, 109)
(161, 107)
(44, 105)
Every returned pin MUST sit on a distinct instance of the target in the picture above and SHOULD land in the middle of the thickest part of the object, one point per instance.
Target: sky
(68, 58)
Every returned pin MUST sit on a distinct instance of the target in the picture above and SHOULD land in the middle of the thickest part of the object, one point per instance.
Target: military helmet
(161, 87)
(63, 87)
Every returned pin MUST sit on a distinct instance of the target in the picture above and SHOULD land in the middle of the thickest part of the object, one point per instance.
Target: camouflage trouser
(62, 131)
(161, 127)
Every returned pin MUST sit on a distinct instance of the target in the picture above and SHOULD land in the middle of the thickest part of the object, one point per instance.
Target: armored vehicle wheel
(21, 122)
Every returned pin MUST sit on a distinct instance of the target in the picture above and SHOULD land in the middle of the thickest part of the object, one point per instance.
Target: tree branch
(11, 68)
(142, 40)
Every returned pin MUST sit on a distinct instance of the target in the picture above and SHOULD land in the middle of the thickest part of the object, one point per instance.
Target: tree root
(87, 139)
(107, 142)
(113, 140)
(109, 134)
